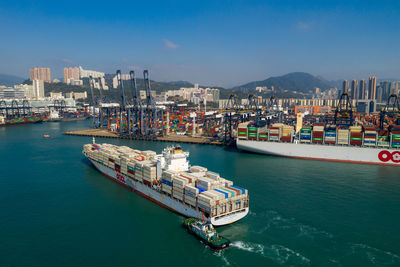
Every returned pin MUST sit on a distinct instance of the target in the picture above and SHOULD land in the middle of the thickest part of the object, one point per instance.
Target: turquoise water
(57, 210)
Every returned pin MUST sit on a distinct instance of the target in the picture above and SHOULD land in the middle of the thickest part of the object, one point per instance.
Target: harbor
(302, 212)
(200, 134)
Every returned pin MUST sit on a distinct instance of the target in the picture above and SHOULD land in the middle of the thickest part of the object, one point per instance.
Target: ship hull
(19, 123)
(163, 199)
(352, 154)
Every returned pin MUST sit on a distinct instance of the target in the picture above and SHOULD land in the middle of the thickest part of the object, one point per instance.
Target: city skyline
(215, 43)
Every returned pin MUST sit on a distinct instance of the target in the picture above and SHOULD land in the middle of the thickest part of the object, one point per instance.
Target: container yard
(170, 181)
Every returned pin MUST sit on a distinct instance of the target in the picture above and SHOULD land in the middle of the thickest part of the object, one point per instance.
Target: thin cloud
(66, 61)
(170, 45)
(301, 25)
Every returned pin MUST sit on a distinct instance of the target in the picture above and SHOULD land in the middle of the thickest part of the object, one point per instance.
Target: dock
(103, 133)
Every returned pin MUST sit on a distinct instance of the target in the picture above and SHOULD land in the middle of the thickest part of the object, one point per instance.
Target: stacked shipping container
(356, 136)
(318, 134)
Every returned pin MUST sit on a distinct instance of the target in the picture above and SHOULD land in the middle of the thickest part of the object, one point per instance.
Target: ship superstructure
(168, 180)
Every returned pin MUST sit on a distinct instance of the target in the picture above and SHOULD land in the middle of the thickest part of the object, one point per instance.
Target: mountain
(295, 81)
(10, 80)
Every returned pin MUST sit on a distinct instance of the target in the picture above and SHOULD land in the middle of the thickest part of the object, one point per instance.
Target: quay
(170, 138)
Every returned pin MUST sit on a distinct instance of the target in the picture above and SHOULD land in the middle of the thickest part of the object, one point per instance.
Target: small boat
(46, 136)
(206, 232)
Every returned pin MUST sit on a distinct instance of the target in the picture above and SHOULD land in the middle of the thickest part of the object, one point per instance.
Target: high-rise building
(380, 93)
(71, 73)
(394, 88)
(41, 74)
(372, 88)
(354, 89)
(214, 94)
(385, 90)
(38, 88)
(345, 87)
(362, 89)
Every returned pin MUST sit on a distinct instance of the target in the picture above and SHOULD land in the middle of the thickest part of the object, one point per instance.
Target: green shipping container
(252, 128)
(356, 138)
(263, 136)
(318, 139)
(252, 135)
(242, 133)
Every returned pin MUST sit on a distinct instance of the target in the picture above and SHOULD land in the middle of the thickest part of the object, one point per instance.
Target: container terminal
(339, 135)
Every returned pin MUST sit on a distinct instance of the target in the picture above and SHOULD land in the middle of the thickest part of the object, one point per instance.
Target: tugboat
(206, 232)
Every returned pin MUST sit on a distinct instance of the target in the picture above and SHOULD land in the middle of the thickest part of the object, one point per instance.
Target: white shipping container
(198, 169)
(212, 175)
(192, 190)
(205, 199)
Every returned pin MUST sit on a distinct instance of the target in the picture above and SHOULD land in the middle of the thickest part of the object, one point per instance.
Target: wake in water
(272, 219)
(220, 254)
(277, 253)
(376, 256)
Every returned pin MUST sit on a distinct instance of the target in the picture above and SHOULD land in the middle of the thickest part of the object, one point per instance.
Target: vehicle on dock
(206, 233)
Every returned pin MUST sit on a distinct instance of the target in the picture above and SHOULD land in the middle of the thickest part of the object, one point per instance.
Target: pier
(170, 138)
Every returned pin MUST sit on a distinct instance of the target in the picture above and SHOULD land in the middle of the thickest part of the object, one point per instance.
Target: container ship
(168, 180)
(55, 116)
(18, 121)
(356, 144)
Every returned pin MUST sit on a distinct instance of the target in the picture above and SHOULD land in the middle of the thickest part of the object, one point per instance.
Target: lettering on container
(120, 178)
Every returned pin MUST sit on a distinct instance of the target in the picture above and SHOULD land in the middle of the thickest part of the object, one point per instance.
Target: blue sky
(210, 42)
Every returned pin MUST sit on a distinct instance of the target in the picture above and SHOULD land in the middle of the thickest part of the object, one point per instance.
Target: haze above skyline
(223, 43)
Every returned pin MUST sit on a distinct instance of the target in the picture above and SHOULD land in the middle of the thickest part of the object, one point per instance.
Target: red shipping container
(234, 189)
(355, 143)
(356, 135)
(146, 182)
(185, 177)
(274, 134)
(330, 142)
(263, 139)
(252, 138)
(318, 134)
(111, 160)
(286, 138)
(317, 142)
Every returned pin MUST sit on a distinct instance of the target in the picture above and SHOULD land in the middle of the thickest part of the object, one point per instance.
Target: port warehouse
(196, 186)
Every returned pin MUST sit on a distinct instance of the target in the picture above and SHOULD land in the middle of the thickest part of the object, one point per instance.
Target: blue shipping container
(166, 182)
(241, 189)
(200, 189)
